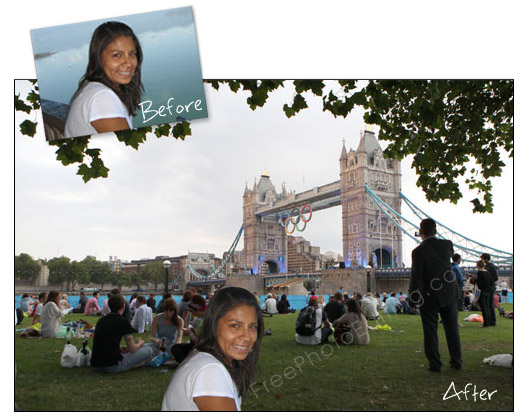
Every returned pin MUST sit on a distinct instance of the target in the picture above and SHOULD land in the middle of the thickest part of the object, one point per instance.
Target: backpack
(305, 324)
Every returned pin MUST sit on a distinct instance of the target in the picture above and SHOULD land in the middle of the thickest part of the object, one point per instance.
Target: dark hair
(141, 299)
(338, 296)
(313, 302)
(115, 302)
(104, 35)
(115, 291)
(227, 298)
(187, 296)
(480, 264)
(456, 257)
(170, 304)
(353, 305)
(283, 297)
(51, 297)
(428, 227)
(42, 295)
(485, 256)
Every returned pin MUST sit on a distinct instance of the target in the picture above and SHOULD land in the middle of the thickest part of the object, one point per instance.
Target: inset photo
(119, 73)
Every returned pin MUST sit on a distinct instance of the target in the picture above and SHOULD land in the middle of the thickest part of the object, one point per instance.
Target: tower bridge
(369, 192)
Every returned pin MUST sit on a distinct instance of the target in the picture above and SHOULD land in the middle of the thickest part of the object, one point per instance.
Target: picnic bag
(305, 324)
(69, 356)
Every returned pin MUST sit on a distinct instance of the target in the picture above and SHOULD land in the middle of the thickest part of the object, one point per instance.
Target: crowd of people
(214, 341)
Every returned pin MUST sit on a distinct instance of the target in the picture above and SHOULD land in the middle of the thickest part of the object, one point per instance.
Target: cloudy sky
(171, 197)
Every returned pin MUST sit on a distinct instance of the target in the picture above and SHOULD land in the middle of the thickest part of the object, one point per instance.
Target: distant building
(115, 263)
(302, 257)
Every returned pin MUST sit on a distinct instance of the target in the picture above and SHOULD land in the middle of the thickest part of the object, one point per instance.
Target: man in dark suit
(491, 268)
(433, 288)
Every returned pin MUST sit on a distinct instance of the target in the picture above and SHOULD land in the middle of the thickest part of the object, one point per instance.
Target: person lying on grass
(108, 356)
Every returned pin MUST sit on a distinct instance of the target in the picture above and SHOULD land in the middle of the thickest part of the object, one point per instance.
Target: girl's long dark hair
(242, 372)
(170, 303)
(353, 305)
(104, 35)
(51, 297)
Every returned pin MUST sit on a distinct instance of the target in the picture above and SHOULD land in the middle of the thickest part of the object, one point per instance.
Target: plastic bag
(159, 360)
(474, 318)
(69, 356)
(504, 360)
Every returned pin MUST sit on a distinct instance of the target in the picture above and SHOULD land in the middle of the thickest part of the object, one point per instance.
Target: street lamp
(368, 269)
(166, 264)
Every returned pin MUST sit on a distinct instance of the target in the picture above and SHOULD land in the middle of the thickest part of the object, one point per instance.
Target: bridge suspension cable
(469, 247)
(217, 271)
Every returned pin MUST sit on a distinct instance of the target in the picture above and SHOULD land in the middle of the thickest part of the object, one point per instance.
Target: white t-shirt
(94, 102)
(38, 310)
(201, 375)
(270, 304)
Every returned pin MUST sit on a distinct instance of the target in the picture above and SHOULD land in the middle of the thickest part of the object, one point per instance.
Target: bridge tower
(368, 236)
(265, 243)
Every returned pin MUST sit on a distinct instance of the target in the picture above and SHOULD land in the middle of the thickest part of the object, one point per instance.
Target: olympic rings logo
(294, 217)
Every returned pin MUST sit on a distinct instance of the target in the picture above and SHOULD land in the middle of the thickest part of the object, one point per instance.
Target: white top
(503, 285)
(201, 375)
(369, 305)
(142, 318)
(270, 304)
(94, 102)
(50, 319)
(38, 310)
(316, 338)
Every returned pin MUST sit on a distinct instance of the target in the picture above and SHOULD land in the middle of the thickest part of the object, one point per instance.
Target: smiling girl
(220, 369)
(109, 92)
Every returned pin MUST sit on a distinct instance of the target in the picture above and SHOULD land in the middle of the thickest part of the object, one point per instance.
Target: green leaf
(28, 128)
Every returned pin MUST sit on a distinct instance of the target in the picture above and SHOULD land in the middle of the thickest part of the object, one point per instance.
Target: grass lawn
(390, 374)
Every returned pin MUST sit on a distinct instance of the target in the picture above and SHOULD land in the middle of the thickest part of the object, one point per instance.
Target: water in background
(296, 301)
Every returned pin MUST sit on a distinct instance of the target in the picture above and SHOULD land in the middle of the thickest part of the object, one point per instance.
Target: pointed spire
(344, 153)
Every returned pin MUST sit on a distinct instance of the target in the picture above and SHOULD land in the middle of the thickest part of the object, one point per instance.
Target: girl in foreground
(221, 367)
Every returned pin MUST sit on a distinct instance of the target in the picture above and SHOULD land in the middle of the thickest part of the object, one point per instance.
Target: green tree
(101, 273)
(455, 129)
(79, 275)
(153, 273)
(119, 278)
(60, 271)
(26, 268)
(135, 279)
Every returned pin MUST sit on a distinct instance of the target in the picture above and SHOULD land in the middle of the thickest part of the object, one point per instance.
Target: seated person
(283, 306)
(392, 305)
(323, 327)
(270, 305)
(105, 308)
(81, 304)
(152, 303)
(51, 317)
(142, 317)
(403, 302)
(334, 308)
(92, 307)
(167, 325)
(108, 356)
(352, 327)
(369, 306)
(25, 303)
(37, 308)
(64, 305)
